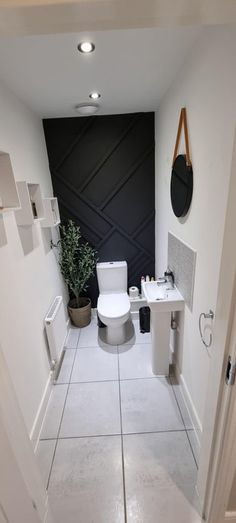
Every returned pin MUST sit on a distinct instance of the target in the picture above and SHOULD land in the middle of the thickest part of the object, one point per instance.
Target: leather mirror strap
(182, 122)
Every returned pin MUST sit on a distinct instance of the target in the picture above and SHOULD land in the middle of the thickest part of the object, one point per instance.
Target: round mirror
(181, 187)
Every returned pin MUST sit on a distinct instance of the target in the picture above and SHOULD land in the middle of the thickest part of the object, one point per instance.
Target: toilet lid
(113, 305)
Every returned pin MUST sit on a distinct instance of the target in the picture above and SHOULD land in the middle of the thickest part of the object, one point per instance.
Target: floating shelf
(9, 199)
(31, 201)
(51, 213)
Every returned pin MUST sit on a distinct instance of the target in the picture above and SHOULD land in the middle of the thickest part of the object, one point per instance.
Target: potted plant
(77, 261)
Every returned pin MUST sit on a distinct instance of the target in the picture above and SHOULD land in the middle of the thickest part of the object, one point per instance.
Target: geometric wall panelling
(182, 261)
(68, 195)
(103, 174)
(144, 232)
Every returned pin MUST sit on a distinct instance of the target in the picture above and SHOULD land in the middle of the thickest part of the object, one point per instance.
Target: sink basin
(162, 297)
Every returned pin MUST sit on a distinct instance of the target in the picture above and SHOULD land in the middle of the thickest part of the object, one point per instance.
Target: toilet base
(116, 335)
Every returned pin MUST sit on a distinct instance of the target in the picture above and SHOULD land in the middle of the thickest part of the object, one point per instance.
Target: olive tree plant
(76, 258)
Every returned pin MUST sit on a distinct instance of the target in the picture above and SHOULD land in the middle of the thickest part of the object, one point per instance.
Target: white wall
(206, 85)
(29, 276)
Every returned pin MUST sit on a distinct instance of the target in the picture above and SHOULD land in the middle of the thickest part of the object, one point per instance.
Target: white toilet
(113, 302)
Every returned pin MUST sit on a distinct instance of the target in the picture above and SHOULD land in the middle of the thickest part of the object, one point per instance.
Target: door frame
(213, 483)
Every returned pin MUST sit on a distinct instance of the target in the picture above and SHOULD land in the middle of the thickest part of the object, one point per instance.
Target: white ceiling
(131, 69)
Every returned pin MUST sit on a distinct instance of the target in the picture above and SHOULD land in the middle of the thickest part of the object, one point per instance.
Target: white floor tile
(138, 337)
(54, 412)
(95, 364)
(66, 368)
(149, 405)
(86, 481)
(91, 409)
(184, 411)
(194, 444)
(91, 336)
(160, 476)
(44, 457)
(72, 338)
(135, 361)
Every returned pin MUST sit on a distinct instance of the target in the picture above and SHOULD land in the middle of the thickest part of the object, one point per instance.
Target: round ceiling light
(87, 109)
(94, 95)
(86, 47)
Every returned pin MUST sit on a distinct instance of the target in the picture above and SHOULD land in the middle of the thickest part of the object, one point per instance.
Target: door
(16, 504)
(23, 498)
(225, 445)
(215, 442)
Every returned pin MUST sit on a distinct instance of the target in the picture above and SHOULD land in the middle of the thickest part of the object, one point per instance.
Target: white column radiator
(56, 329)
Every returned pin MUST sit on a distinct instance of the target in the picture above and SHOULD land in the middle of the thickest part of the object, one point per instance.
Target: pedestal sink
(163, 299)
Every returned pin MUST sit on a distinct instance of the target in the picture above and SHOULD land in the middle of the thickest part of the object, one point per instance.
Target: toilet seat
(112, 307)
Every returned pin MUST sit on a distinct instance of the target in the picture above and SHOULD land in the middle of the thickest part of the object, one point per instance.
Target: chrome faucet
(169, 275)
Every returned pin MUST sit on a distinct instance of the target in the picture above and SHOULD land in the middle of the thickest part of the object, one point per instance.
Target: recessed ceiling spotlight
(86, 47)
(87, 109)
(94, 95)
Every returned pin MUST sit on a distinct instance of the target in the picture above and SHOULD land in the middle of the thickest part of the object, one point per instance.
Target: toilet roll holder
(207, 316)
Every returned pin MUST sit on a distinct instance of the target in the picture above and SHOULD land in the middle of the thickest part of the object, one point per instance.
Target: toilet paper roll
(133, 292)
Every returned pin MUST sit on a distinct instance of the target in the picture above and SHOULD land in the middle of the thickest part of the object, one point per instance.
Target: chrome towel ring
(206, 316)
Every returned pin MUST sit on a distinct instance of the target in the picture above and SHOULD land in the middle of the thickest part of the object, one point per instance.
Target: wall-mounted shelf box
(51, 213)
(31, 202)
(9, 199)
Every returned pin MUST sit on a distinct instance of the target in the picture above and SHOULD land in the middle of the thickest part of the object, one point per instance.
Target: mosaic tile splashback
(182, 261)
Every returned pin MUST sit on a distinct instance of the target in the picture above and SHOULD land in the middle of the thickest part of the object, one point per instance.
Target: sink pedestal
(160, 333)
(162, 300)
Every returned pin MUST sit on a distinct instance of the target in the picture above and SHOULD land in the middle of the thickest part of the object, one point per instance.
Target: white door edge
(22, 493)
(211, 467)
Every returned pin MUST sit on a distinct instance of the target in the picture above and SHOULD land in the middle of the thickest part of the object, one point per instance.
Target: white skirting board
(189, 404)
(230, 516)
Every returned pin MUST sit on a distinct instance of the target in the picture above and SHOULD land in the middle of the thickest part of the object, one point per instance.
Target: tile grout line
(191, 449)
(122, 441)
(186, 430)
(171, 431)
(63, 410)
(109, 380)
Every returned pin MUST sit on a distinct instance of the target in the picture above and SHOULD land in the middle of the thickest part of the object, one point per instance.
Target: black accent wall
(103, 174)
